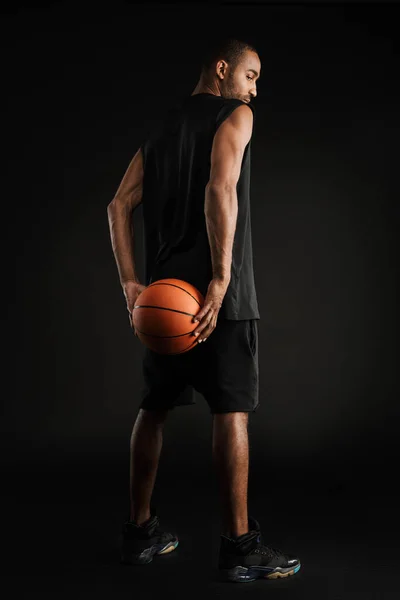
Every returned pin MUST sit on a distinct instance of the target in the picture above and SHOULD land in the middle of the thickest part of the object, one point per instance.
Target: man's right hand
(208, 315)
(132, 289)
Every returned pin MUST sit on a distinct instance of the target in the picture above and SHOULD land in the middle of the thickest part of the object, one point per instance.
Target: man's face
(241, 83)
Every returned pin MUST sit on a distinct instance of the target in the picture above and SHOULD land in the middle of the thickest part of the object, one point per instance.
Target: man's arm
(221, 210)
(221, 204)
(120, 209)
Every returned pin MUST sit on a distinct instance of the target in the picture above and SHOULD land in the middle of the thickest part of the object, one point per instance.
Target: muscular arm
(120, 210)
(221, 204)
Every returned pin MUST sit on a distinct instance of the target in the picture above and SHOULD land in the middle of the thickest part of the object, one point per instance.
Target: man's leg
(231, 460)
(145, 449)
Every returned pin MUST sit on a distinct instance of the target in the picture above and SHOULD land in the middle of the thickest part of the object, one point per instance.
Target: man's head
(231, 69)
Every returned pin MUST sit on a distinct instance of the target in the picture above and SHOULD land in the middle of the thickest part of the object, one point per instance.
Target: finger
(200, 315)
(207, 331)
(199, 331)
(205, 334)
(200, 327)
(203, 322)
(131, 324)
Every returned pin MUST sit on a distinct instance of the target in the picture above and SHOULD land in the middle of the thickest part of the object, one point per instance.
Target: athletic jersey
(177, 162)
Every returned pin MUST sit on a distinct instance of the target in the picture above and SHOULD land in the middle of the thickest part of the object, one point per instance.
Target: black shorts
(223, 369)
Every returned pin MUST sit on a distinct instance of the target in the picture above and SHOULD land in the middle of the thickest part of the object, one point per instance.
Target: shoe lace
(268, 550)
(158, 532)
(164, 535)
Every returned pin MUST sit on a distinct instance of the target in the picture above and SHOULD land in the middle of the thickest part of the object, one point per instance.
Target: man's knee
(154, 415)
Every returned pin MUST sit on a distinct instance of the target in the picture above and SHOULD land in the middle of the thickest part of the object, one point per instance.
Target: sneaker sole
(146, 556)
(241, 574)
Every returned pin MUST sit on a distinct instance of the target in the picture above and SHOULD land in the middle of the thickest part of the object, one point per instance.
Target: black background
(84, 83)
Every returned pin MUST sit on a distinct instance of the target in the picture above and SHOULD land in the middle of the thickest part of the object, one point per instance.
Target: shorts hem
(221, 412)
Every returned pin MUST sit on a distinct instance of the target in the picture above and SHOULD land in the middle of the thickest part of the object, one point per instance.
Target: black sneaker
(245, 558)
(141, 542)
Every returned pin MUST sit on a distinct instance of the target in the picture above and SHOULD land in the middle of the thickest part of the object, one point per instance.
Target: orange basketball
(163, 313)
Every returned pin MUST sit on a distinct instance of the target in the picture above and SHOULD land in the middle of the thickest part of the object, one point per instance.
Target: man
(193, 177)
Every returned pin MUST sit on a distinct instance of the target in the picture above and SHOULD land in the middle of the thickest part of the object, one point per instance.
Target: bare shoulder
(238, 125)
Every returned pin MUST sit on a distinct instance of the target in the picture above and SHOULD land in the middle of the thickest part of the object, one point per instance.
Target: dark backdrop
(85, 83)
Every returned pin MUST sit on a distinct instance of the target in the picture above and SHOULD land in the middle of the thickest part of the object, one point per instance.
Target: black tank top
(177, 162)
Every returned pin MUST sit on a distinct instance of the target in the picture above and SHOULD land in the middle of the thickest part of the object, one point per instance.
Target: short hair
(229, 49)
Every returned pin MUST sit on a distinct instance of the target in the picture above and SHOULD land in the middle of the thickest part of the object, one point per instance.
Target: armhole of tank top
(226, 110)
(143, 149)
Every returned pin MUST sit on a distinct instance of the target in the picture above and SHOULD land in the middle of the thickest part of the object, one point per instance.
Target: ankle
(140, 517)
(235, 531)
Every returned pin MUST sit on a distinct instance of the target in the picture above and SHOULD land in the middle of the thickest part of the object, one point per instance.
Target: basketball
(163, 313)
